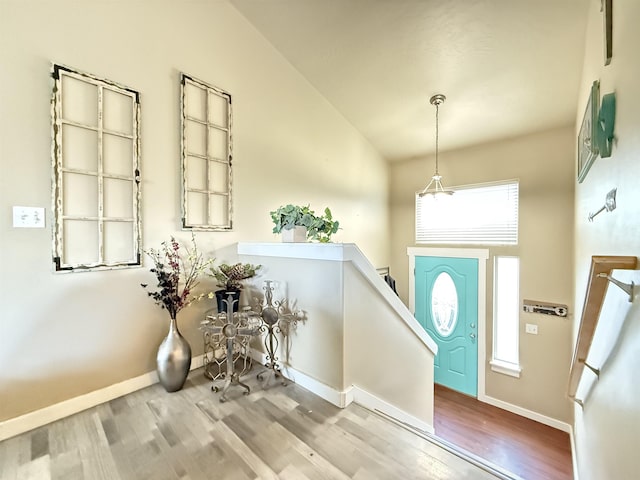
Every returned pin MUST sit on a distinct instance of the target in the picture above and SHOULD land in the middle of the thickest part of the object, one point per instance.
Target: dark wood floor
(527, 448)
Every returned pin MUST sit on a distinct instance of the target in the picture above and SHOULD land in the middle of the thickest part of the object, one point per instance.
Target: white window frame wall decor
(95, 172)
(206, 156)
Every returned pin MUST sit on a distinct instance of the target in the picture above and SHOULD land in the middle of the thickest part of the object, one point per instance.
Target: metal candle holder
(233, 329)
(272, 316)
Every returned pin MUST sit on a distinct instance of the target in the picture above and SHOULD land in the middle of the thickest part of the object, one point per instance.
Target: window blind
(485, 214)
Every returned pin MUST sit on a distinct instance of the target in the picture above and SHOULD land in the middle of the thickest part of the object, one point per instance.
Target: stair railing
(599, 277)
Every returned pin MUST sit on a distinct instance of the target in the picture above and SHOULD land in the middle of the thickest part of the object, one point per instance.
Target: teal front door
(447, 307)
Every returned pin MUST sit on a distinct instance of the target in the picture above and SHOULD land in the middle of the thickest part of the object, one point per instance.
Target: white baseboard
(351, 394)
(24, 423)
(371, 402)
(29, 421)
(538, 417)
(331, 395)
(574, 454)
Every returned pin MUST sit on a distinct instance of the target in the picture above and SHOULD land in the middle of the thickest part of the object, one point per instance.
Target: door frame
(480, 254)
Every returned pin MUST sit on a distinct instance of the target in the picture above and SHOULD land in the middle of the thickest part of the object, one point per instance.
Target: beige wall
(382, 355)
(356, 337)
(607, 431)
(314, 287)
(543, 162)
(66, 335)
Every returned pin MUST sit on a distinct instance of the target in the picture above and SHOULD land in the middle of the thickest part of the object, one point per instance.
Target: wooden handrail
(594, 298)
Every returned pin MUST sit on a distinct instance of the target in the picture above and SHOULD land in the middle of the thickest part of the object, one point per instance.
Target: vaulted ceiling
(507, 67)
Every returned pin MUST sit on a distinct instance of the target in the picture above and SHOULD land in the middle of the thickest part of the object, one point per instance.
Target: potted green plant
(298, 223)
(229, 279)
(323, 227)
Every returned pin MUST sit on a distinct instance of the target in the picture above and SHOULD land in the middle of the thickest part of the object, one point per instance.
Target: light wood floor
(520, 445)
(274, 433)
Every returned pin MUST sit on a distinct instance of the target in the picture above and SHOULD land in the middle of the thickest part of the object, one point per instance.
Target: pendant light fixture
(437, 189)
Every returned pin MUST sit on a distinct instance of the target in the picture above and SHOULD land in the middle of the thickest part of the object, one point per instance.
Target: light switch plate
(531, 328)
(28, 217)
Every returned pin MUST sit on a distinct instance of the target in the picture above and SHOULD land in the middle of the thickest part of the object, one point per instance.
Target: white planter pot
(296, 234)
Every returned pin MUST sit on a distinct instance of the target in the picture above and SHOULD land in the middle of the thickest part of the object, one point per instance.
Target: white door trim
(480, 254)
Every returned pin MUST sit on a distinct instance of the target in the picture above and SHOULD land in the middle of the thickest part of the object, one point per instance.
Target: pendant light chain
(437, 104)
(438, 189)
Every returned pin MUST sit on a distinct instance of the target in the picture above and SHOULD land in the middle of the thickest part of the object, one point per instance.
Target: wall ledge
(342, 252)
(311, 251)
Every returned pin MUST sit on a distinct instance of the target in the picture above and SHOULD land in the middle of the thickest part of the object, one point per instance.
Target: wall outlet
(28, 217)
(531, 328)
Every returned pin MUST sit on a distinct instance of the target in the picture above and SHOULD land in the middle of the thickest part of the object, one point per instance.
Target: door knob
(472, 335)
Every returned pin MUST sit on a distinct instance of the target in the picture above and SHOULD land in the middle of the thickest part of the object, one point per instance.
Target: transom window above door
(483, 214)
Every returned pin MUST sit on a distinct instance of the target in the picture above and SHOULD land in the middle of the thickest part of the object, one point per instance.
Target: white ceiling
(507, 67)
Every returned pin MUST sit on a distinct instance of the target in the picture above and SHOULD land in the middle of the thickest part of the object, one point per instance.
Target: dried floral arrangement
(177, 274)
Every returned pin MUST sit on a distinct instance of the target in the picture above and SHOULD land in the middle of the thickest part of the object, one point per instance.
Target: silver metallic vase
(174, 359)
